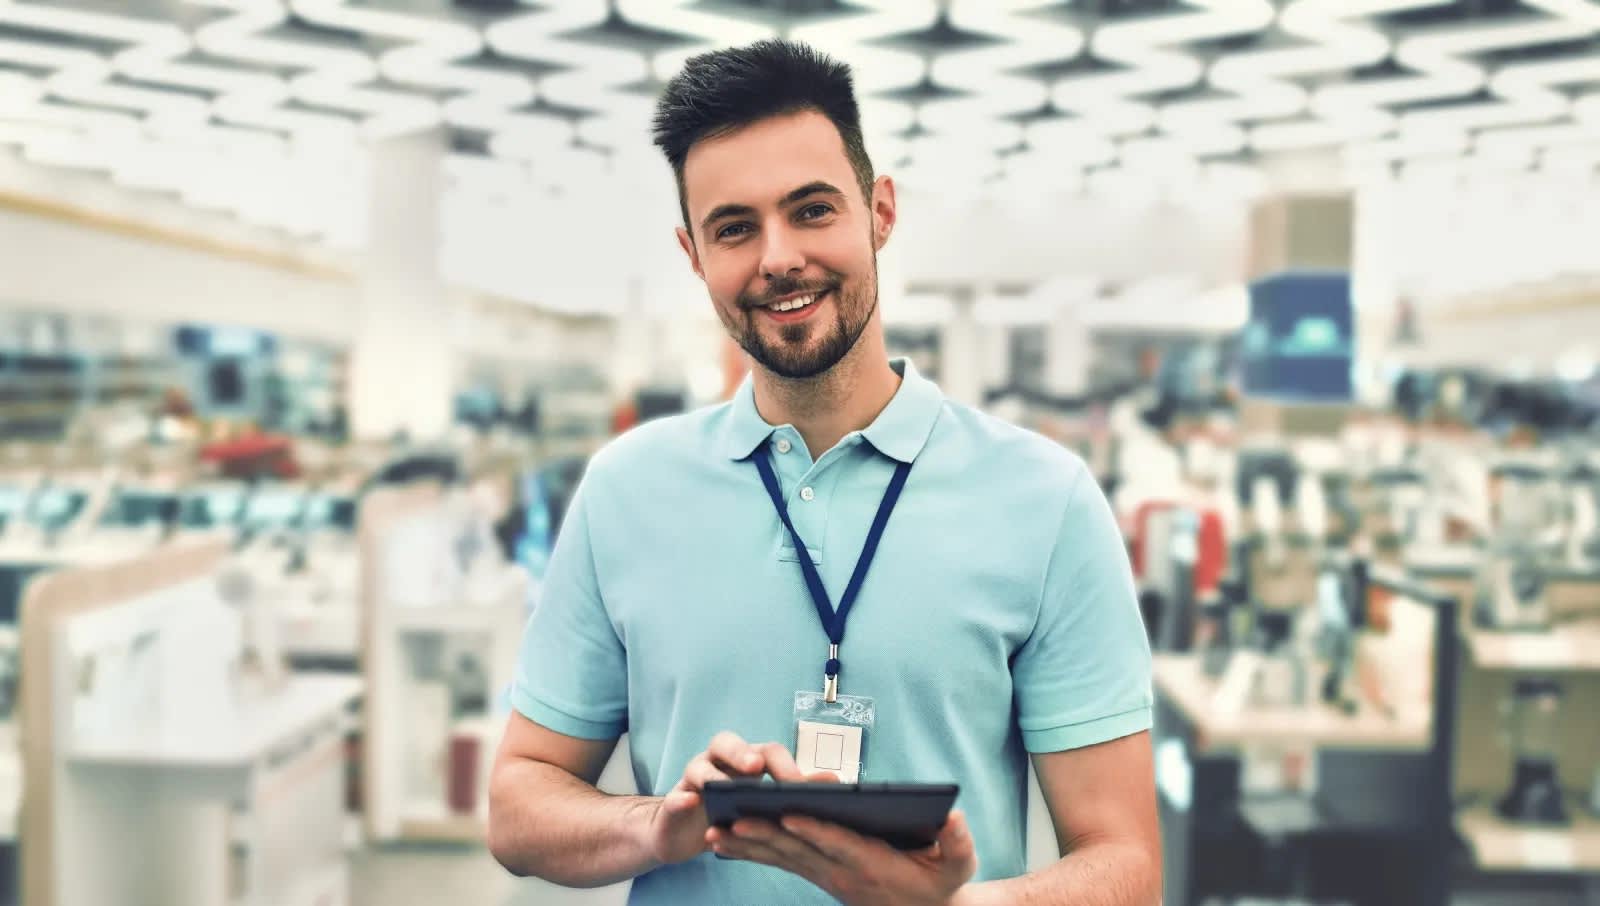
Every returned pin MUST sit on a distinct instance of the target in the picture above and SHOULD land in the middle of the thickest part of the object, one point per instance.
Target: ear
(687, 243)
(883, 211)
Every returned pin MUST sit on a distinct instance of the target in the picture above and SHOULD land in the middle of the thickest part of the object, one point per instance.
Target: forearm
(1113, 873)
(546, 823)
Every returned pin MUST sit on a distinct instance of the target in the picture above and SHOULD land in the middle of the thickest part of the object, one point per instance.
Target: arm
(1102, 802)
(547, 819)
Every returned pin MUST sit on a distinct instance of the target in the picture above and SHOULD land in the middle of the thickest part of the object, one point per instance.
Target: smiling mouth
(797, 304)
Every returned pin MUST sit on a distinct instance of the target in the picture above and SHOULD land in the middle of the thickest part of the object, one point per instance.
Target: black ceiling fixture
(543, 106)
(60, 40)
(1055, 70)
(922, 92)
(1047, 112)
(529, 68)
(1458, 13)
(940, 37)
(617, 33)
(781, 14)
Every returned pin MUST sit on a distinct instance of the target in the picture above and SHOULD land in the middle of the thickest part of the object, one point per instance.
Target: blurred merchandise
(1534, 723)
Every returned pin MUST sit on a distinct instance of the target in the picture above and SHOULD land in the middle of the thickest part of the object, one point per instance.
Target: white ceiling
(260, 107)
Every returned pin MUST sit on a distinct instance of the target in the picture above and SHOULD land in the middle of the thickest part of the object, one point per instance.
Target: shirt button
(784, 446)
(808, 495)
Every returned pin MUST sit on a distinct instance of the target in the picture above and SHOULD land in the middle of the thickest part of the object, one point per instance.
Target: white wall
(52, 264)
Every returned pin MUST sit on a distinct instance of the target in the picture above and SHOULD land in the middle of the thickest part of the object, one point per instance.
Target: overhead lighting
(241, 36)
(1145, 46)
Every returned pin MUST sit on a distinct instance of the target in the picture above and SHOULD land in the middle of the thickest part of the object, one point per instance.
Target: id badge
(832, 736)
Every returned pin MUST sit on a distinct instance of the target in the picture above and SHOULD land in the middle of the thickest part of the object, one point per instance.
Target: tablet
(904, 815)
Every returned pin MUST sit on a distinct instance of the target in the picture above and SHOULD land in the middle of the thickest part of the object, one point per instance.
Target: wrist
(641, 831)
(972, 894)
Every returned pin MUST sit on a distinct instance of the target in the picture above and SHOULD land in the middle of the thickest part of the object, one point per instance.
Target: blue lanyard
(833, 620)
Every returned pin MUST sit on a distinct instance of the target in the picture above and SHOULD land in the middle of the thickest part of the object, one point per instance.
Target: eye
(733, 231)
(814, 211)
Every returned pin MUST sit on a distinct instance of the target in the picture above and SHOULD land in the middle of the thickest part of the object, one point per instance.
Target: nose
(781, 256)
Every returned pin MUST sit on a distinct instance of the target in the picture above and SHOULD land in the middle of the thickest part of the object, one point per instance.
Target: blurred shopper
(701, 578)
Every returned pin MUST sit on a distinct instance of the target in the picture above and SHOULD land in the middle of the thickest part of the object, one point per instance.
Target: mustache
(776, 289)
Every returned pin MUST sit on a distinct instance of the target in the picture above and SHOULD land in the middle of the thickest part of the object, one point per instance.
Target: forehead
(755, 164)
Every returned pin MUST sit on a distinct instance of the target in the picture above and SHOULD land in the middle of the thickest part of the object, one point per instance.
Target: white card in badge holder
(832, 736)
(829, 747)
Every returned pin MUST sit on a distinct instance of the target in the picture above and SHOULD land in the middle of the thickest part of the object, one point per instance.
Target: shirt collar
(900, 431)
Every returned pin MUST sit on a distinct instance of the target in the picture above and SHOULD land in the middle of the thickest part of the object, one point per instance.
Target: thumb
(956, 848)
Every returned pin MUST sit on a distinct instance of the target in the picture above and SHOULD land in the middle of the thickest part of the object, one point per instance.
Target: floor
(415, 876)
(436, 876)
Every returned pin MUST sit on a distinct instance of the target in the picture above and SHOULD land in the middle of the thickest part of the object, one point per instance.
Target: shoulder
(1004, 455)
(661, 446)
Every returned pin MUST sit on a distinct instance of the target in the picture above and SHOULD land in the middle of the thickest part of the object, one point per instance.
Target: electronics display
(1535, 728)
(1299, 342)
(271, 509)
(905, 815)
(212, 508)
(53, 509)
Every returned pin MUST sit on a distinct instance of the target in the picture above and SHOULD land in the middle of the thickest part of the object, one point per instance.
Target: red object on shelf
(1211, 555)
(253, 455)
(1211, 559)
(464, 759)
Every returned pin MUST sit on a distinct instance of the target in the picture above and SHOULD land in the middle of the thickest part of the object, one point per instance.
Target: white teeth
(792, 304)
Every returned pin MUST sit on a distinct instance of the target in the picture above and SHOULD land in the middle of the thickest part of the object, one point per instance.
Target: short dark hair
(720, 91)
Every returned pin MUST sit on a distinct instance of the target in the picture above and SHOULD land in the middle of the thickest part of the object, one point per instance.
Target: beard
(811, 347)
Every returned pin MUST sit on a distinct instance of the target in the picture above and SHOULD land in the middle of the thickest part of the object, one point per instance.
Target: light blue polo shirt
(999, 617)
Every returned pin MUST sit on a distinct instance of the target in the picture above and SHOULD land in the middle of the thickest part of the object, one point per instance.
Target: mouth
(795, 308)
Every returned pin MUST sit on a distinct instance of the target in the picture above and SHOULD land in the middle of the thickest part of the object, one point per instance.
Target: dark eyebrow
(816, 187)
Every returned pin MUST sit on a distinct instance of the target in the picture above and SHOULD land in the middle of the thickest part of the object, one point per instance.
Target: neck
(846, 398)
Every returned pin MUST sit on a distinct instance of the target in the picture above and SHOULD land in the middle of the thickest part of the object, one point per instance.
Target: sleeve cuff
(1089, 732)
(562, 722)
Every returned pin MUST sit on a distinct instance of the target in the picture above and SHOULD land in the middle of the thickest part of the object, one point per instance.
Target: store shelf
(1180, 680)
(448, 618)
(429, 821)
(1571, 647)
(1500, 845)
(306, 701)
(329, 884)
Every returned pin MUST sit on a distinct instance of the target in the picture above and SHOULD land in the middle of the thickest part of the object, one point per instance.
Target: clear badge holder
(832, 735)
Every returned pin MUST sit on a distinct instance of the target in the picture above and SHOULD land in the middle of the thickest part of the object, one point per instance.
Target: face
(785, 241)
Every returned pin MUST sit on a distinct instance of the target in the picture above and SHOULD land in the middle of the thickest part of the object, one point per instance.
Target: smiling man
(709, 565)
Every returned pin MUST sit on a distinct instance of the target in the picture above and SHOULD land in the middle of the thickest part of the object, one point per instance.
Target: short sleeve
(572, 671)
(1083, 675)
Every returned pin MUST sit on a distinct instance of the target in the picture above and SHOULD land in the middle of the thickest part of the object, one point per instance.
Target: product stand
(409, 732)
(1381, 796)
(1562, 857)
(240, 811)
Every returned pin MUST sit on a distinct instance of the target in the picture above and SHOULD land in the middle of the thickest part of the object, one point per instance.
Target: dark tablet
(904, 815)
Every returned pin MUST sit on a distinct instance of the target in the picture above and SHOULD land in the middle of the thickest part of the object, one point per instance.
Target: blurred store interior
(312, 312)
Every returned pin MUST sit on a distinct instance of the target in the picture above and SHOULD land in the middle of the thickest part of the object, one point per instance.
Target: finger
(955, 847)
(771, 845)
(823, 777)
(734, 755)
(701, 772)
(846, 847)
(779, 763)
(680, 801)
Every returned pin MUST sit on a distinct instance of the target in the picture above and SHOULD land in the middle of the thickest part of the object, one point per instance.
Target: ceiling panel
(1061, 87)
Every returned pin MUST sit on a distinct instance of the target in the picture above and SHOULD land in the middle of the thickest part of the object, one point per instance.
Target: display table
(244, 807)
(1180, 681)
(1364, 772)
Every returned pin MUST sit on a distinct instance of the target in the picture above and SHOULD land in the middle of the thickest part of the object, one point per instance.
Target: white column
(1067, 353)
(401, 364)
(961, 350)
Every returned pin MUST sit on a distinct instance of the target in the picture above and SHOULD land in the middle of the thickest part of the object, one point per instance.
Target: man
(996, 616)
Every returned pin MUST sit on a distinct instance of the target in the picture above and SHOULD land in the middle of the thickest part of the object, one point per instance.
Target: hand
(857, 870)
(677, 831)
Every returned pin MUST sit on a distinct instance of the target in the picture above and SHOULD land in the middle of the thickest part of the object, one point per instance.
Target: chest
(698, 600)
